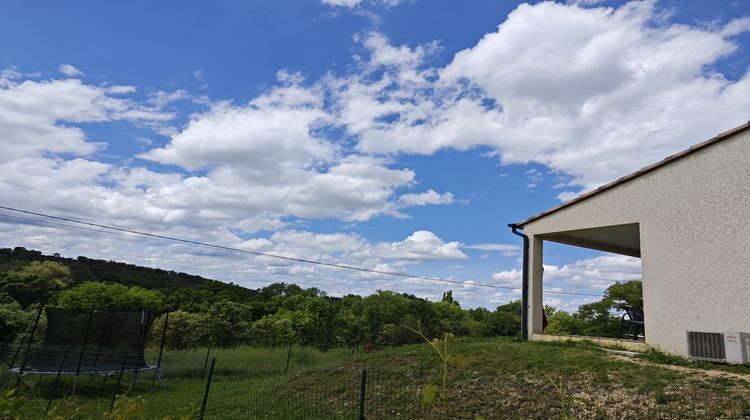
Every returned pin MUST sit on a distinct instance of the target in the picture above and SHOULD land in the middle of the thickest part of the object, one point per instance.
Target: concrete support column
(536, 284)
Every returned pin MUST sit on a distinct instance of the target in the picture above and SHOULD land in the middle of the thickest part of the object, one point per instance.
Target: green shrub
(185, 331)
(657, 356)
(395, 335)
(10, 405)
(505, 323)
(13, 321)
(271, 331)
(110, 296)
(230, 323)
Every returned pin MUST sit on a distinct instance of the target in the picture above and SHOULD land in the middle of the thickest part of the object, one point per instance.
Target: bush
(185, 331)
(230, 323)
(27, 289)
(396, 335)
(110, 296)
(657, 356)
(11, 405)
(504, 323)
(561, 322)
(13, 321)
(271, 331)
(35, 282)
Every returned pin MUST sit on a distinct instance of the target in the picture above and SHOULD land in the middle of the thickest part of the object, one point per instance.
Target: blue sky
(392, 135)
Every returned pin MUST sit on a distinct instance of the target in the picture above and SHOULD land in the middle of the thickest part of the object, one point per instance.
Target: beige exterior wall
(694, 218)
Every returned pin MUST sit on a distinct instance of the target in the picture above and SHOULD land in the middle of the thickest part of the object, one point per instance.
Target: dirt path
(706, 372)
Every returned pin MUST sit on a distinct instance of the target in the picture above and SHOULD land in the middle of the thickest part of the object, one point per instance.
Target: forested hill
(207, 311)
(87, 269)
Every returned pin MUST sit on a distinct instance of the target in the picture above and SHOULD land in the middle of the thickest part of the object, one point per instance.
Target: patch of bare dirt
(706, 372)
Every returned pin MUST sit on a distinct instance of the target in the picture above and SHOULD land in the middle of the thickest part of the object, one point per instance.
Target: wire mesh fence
(300, 383)
(79, 384)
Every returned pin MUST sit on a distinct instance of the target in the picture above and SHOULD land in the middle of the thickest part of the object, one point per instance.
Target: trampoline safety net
(80, 341)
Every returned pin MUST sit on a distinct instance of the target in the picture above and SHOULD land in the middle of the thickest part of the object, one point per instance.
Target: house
(687, 218)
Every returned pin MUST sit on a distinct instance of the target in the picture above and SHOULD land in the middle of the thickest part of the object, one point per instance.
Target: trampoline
(91, 342)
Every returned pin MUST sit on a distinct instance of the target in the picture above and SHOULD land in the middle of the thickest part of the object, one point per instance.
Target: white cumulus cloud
(342, 3)
(590, 274)
(506, 250)
(425, 198)
(69, 70)
(614, 90)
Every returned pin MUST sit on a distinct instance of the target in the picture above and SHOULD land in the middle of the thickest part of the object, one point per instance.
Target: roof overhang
(619, 239)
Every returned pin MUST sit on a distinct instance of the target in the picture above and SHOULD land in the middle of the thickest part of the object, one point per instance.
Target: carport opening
(619, 312)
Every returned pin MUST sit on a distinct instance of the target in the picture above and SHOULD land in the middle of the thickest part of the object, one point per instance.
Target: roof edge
(647, 169)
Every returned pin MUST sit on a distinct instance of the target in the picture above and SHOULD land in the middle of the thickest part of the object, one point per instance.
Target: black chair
(634, 321)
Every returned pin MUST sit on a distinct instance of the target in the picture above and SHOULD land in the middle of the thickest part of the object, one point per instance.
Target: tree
(35, 282)
(230, 323)
(272, 330)
(598, 318)
(27, 289)
(561, 322)
(50, 270)
(110, 296)
(185, 330)
(448, 296)
(13, 320)
(349, 328)
(504, 323)
(622, 295)
(513, 307)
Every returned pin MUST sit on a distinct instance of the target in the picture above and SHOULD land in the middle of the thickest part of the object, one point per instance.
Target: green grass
(493, 378)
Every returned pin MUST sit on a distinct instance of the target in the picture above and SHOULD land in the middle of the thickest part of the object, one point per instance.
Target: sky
(393, 135)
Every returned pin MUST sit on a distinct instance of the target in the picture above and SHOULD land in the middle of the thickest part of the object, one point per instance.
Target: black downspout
(525, 282)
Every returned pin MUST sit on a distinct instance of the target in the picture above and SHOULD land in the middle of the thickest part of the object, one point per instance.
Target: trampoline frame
(105, 373)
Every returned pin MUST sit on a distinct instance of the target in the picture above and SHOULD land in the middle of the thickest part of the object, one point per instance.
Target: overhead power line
(98, 227)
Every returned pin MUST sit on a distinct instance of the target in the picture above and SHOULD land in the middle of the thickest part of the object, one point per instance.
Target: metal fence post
(119, 380)
(163, 336)
(205, 363)
(362, 395)
(28, 346)
(83, 351)
(57, 380)
(208, 387)
(288, 356)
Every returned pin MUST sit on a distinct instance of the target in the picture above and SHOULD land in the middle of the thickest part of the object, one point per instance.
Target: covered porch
(623, 239)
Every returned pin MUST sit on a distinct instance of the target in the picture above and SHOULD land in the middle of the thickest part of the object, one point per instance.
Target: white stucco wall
(694, 217)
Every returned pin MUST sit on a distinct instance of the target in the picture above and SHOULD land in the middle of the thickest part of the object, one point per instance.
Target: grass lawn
(489, 378)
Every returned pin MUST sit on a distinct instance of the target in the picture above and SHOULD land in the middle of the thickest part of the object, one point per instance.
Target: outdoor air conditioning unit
(729, 347)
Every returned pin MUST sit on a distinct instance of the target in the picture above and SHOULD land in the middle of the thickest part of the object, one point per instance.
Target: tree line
(203, 312)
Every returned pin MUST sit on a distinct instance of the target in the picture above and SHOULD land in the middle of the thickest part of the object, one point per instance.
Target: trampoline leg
(117, 388)
(75, 382)
(135, 379)
(160, 378)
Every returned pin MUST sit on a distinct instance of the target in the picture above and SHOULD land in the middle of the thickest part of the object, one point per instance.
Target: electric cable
(113, 229)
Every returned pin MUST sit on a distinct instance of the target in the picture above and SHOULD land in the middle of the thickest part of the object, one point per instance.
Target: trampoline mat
(93, 360)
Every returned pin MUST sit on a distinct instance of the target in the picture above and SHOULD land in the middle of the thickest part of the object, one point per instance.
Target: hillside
(89, 269)
(210, 312)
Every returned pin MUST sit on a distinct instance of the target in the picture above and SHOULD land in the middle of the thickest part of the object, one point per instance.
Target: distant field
(495, 378)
